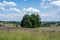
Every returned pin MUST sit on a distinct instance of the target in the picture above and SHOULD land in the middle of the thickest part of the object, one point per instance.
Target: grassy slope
(23, 34)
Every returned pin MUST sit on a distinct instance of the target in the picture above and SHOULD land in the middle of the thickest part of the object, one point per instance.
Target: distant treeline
(55, 23)
(43, 24)
(14, 22)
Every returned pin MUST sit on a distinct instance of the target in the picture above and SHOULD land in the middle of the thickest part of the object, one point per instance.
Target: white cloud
(43, 5)
(9, 3)
(6, 15)
(17, 15)
(6, 4)
(46, 0)
(45, 15)
(43, 0)
(2, 8)
(56, 3)
(15, 10)
(2, 15)
(31, 10)
(53, 13)
(10, 15)
(51, 16)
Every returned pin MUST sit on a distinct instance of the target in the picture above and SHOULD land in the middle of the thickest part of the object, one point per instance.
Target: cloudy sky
(14, 10)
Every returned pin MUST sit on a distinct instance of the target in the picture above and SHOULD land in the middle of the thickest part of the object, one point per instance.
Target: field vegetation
(31, 34)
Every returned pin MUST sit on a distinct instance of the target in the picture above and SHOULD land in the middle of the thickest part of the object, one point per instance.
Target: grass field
(30, 34)
(10, 25)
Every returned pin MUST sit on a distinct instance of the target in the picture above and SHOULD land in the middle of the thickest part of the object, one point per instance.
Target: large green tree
(31, 21)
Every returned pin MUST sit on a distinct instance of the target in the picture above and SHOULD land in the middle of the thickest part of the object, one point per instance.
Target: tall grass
(28, 35)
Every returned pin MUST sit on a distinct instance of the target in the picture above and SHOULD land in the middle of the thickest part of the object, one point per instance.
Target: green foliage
(31, 21)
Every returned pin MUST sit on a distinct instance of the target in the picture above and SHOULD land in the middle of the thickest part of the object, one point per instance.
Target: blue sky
(14, 10)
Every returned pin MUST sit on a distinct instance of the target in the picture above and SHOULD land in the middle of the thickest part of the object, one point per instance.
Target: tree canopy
(31, 21)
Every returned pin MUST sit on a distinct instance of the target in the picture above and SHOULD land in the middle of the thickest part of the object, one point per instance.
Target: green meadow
(30, 34)
(19, 33)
